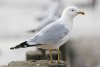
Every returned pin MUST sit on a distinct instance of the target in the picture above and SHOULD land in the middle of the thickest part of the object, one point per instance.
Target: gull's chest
(66, 34)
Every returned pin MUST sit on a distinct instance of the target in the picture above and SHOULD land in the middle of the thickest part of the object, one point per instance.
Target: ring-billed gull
(54, 34)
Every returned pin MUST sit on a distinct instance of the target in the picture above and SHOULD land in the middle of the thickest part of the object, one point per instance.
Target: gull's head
(72, 11)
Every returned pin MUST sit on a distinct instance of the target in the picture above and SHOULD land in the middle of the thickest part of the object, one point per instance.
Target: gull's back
(51, 34)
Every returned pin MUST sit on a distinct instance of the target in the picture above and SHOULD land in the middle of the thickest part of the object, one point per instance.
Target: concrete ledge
(39, 55)
(41, 63)
(4, 66)
(33, 55)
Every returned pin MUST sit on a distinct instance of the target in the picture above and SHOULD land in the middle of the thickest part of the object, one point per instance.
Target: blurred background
(18, 17)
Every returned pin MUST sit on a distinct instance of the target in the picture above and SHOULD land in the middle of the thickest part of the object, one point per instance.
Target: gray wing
(51, 34)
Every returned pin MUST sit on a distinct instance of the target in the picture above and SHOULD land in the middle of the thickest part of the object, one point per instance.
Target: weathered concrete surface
(41, 63)
(3, 66)
(33, 55)
(42, 55)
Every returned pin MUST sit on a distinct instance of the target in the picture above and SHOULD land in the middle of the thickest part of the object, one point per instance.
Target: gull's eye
(72, 10)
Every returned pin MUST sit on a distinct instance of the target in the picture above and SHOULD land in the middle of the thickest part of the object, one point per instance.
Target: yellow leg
(58, 56)
(51, 56)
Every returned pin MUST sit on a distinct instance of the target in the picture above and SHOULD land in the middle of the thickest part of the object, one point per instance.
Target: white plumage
(54, 34)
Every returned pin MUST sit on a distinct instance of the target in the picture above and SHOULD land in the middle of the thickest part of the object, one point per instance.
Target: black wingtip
(11, 48)
(22, 45)
(31, 31)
